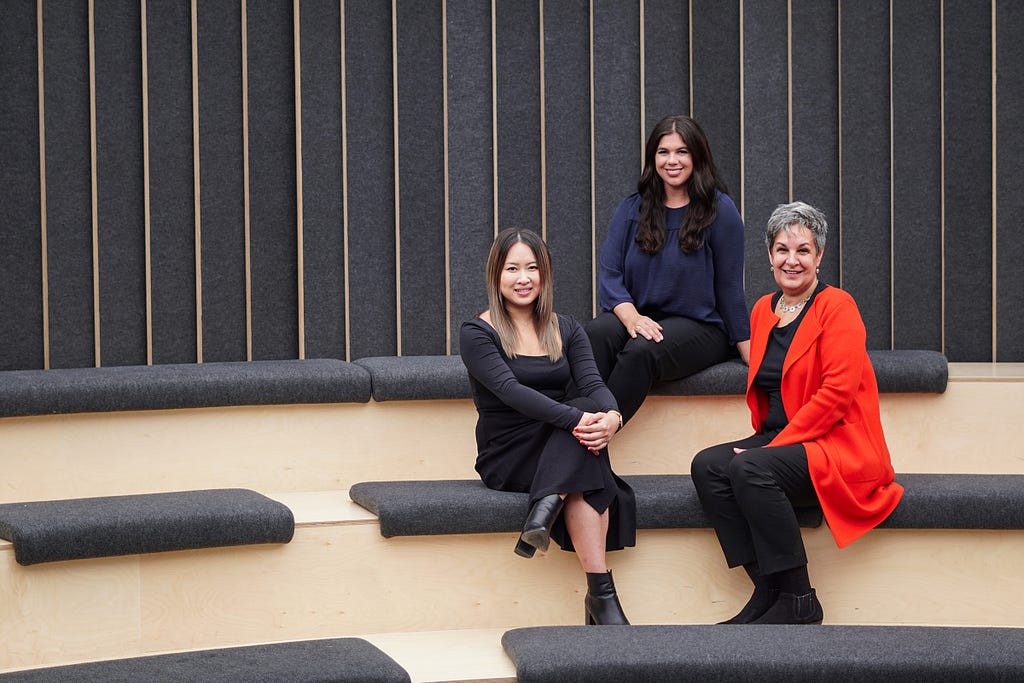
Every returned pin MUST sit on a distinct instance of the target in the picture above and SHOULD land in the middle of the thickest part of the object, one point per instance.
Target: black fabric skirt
(523, 455)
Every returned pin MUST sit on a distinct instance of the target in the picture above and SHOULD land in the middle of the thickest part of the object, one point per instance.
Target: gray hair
(797, 213)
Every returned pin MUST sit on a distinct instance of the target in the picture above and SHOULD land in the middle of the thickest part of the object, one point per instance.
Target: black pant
(630, 367)
(749, 498)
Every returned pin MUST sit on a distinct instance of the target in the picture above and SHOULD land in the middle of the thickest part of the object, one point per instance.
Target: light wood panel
(345, 579)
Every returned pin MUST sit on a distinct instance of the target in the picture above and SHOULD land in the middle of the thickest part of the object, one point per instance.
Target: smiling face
(674, 163)
(520, 283)
(795, 259)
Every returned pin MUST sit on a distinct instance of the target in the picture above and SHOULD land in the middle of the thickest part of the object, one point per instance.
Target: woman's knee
(709, 462)
(584, 403)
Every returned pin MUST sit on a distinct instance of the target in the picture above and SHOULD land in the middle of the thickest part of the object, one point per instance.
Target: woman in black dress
(545, 419)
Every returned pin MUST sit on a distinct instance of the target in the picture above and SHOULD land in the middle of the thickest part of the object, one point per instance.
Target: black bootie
(793, 609)
(760, 602)
(537, 529)
(601, 606)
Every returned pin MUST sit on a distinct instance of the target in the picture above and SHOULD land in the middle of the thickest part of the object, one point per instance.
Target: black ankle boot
(537, 529)
(601, 606)
(793, 609)
(759, 603)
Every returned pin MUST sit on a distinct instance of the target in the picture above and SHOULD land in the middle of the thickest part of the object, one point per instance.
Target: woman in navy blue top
(545, 419)
(670, 284)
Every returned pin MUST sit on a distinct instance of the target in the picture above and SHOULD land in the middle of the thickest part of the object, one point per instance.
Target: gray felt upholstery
(56, 530)
(762, 654)
(407, 378)
(151, 387)
(335, 660)
(417, 508)
(669, 501)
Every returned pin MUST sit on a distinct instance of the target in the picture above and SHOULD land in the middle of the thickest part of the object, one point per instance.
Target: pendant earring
(817, 270)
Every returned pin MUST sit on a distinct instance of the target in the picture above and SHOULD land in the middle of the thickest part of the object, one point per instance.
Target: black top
(769, 375)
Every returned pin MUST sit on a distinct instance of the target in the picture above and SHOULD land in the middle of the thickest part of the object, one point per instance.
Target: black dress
(527, 408)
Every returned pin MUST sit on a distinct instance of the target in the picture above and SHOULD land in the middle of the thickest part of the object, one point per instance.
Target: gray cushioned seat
(79, 528)
(764, 654)
(332, 660)
(410, 378)
(190, 385)
(669, 501)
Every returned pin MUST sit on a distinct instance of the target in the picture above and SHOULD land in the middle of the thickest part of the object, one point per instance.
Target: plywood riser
(322, 447)
(345, 579)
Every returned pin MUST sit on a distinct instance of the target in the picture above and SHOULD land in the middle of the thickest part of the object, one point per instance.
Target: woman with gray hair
(817, 439)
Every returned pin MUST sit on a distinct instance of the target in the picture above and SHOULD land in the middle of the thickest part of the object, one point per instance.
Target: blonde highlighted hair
(545, 321)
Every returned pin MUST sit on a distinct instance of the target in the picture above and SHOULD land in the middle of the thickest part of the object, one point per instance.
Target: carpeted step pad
(52, 531)
(336, 660)
(641, 654)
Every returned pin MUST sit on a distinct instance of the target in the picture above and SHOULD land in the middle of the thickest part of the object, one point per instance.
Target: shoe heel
(587, 619)
(524, 549)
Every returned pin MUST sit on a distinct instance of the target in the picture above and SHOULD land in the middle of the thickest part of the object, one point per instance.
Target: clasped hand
(595, 430)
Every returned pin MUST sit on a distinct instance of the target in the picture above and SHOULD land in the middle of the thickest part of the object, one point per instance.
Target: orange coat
(830, 395)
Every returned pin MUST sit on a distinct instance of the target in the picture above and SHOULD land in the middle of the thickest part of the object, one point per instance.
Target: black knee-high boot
(601, 606)
(537, 529)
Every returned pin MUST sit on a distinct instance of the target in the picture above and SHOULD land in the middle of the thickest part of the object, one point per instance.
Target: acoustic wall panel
(766, 132)
(68, 184)
(323, 198)
(120, 210)
(666, 60)
(369, 131)
(814, 29)
(1009, 199)
(421, 177)
(917, 174)
(273, 235)
(21, 314)
(618, 155)
(567, 153)
(469, 157)
(864, 233)
(171, 181)
(968, 164)
(715, 72)
(221, 181)
(517, 97)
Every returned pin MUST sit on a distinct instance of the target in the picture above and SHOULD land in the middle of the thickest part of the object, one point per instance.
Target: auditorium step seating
(341, 577)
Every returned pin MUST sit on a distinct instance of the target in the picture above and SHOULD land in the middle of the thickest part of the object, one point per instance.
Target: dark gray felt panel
(21, 314)
(716, 84)
(666, 60)
(171, 181)
(1010, 199)
(222, 188)
(421, 176)
(323, 203)
(968, 163)
(917, 175)
(68, 184)
(273, 231)
(865, 232)
(517, 69)
(766, 124)
(617, 127)
(369, 130)
(119, 184)
(567, 145)
(815, 122)
(470, 173)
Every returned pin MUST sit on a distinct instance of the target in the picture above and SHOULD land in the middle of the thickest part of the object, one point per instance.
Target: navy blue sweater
(706, 285)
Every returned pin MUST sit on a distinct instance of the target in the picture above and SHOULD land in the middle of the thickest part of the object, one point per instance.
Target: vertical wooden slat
(44, 248)
(300, 250)
(147, 221)
(95, 212)
(196, 175)
(246, 179)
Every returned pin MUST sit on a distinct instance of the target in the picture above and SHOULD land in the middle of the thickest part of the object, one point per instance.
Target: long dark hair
(545, 321)
(702, 187)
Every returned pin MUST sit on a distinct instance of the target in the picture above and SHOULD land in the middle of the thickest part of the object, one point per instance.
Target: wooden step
(318, 447)
(339, 577)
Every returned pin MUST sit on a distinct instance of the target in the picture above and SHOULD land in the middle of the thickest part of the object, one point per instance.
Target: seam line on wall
(146, 197)
(44, 257)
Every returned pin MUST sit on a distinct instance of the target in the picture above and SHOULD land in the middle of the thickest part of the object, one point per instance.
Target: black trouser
(631, 366)
(749, 498)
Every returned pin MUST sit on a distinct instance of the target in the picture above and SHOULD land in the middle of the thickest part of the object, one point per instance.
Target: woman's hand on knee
(647, 328)
(595, 430)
